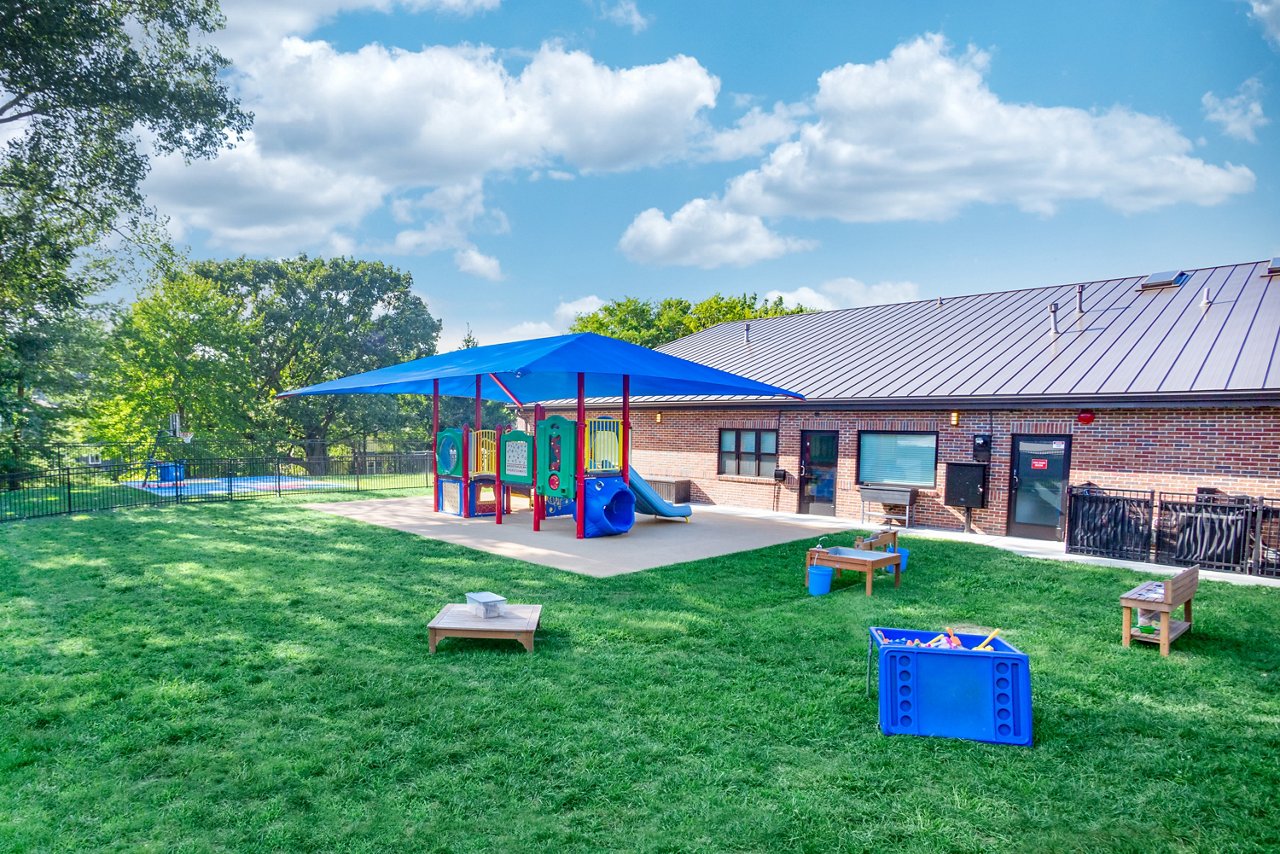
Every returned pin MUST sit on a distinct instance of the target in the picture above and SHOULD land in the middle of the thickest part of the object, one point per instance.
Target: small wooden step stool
(1162, 596)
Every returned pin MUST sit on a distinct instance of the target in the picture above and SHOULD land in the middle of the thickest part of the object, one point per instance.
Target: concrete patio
(712, 532)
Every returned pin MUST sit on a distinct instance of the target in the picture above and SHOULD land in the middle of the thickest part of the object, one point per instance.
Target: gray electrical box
(966, 485)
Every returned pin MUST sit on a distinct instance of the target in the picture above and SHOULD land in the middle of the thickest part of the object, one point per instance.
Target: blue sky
(528, 160)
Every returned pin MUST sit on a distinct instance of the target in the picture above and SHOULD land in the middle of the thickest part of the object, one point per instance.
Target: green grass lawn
(255, 676)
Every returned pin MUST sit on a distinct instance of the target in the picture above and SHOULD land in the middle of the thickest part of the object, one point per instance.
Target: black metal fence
(1110, 522)
(1231, 533)
(81, 488)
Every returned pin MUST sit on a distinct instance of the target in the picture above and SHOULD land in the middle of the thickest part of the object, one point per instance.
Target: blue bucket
(820, 580)
(905, 553)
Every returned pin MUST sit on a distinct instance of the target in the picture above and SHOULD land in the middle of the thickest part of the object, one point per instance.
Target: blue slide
(650, 503)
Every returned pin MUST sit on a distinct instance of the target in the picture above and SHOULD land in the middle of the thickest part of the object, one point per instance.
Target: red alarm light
(1085, 416)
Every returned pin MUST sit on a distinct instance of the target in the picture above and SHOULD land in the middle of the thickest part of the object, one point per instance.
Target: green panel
(516, 460)
(449, 453)
(910, 459)
(557, 439)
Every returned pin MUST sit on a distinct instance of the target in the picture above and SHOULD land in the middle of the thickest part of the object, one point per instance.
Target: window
(910, 459)
(749, 453)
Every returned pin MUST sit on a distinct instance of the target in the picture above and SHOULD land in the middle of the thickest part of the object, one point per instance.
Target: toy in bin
(486, 604)
(952, 685)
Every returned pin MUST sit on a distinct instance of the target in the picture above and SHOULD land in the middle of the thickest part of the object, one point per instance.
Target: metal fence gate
(1110, 522)
(1229, 533)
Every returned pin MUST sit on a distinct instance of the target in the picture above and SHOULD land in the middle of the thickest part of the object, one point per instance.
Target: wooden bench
(1164, 597)
(863, 557)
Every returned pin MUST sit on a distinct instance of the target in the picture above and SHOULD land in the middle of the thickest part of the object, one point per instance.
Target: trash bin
(171, 472)
(820, 580)
(906, 553)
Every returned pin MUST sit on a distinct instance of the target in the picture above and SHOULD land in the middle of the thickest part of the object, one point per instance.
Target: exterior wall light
(657, 418)
(955, 419)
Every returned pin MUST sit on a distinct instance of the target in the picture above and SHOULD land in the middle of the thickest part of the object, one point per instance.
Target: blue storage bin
(171, 472)
(820, 580)
(953, 693)
(906, 553)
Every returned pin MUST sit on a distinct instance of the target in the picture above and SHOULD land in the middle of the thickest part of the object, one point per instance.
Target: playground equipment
(476, 470)
(559, 368)
(467, 477)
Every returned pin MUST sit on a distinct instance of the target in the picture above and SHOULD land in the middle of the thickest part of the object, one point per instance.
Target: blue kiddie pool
(951, 693)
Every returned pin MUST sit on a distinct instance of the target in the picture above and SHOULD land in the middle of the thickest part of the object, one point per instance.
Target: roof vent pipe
(1206, 300)
(939, 302)
(746, 333)
(1079, 299)
(1053, 318)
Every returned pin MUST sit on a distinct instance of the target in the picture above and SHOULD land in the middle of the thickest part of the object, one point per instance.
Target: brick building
(1167, 382)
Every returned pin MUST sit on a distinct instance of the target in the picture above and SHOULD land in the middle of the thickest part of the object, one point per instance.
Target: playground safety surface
(713, 531)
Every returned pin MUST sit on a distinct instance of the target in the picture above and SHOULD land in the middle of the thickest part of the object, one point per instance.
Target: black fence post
(277, 477)
(66, 475)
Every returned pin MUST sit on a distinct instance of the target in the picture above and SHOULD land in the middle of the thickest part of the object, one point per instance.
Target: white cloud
(1267, 13)
(920, 136)
(754, 132)
(847, 292)
(567, 312)
(472, 262)
(623, 13)
(250, 202)
(257, 26)
(422, 130)
(1240, 115)
(704, 234)
(526, 330)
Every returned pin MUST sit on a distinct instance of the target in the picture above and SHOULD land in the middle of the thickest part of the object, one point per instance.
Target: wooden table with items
(518, 622)
(856, 560)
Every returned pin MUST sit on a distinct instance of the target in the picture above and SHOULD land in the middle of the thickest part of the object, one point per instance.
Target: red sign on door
(1039, 465)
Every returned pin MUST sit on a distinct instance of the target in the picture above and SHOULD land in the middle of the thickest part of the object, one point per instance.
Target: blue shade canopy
(547, 369)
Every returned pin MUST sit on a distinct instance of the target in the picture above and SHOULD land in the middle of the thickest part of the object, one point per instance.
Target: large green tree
(654, 323)
(217, 341)
(89, 90)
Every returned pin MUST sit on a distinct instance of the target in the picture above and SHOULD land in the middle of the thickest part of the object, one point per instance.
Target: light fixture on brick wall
(955, 419)
(657, 418)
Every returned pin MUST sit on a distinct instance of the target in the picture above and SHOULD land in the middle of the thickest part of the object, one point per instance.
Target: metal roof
(1127, 345)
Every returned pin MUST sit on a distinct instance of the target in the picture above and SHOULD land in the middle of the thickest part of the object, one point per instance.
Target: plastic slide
(610, 507)
(650, 503)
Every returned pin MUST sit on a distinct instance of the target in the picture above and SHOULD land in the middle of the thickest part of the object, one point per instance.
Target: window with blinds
(910, 459)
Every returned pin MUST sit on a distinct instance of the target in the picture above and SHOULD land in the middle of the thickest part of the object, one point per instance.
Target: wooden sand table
(518, 622)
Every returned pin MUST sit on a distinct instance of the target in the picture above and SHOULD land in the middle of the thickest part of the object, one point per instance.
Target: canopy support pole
(580, 465)
(497, 477)
(479, 405)
(538, 502)
(435, 447)
(626, 429)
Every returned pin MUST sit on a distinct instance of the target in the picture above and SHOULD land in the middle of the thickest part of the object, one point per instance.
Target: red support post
(435, 447)
(497, 476)
(478, 403)
(539, 508)
(466, 473)
(626, 429)
(580, 464)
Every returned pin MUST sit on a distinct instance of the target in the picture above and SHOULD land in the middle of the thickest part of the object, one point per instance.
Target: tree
(652, 324)
(80, 80)
(457, 411)
(218, 340)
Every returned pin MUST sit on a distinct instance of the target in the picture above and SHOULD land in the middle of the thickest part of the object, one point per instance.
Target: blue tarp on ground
(547, 369)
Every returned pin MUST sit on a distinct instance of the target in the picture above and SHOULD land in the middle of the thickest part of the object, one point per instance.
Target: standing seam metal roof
(1127, 343)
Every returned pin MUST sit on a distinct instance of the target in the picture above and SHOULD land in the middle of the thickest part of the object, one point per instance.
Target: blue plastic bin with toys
(953, 689)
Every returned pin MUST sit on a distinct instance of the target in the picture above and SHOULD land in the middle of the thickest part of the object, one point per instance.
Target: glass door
(818, 454)
(1038, 486)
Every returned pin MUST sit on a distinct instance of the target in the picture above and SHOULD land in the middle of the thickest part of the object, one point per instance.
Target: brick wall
(1167, 449)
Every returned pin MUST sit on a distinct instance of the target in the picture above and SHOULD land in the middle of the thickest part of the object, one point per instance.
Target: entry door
(1038, 488)
(818, 453)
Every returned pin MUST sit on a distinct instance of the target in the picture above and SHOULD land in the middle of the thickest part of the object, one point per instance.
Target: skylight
(1167, 279)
